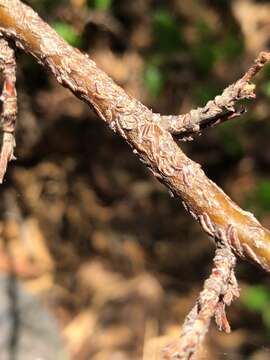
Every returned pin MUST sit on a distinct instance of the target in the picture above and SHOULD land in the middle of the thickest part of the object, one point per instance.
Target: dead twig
(222, 108)
(219, 290)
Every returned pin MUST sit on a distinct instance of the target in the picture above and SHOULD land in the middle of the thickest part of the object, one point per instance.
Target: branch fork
(152, 137)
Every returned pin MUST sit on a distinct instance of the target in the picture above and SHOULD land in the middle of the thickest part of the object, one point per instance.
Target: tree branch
(219, 290)
(9, 105)
(218, 215)
(216, 111)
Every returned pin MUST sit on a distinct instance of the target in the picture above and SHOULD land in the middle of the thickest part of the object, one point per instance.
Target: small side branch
(9, 105)
(217, 214)
(216, 111)
(219, 290)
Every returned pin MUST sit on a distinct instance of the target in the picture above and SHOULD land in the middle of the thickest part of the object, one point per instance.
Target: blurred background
(97, 261)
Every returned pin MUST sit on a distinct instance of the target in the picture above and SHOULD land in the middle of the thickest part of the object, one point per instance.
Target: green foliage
(154, 79)
(207, 50)
(204, 56)
(258, 200)
(262, 194)
(203, 50)
(266, 317)
(166, 31)
(230, 47)
(230, 141)
(266, 70)
(257, 299)
(100, 4)
(203, 30)
(167, 39)
(202, 94)
(266, 88)
(68, 33)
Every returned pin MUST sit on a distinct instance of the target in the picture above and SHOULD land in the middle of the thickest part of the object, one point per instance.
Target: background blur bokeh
(83, 224)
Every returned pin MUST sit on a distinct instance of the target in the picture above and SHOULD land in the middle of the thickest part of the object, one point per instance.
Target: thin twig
(219, 290)
(222, 108)
(9, 105)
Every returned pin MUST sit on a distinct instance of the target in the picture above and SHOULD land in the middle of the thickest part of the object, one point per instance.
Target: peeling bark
(141, 129)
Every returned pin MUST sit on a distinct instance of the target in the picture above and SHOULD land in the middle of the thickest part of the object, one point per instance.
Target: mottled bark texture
(236, 231)
(218, 215)
(9, 105)
(219, 290)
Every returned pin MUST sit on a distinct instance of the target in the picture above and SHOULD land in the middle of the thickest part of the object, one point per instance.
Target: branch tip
(216, 111)
(219, 290)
